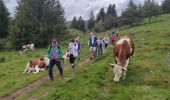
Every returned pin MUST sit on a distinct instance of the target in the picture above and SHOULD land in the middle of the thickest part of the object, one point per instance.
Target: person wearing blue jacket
(93, 45)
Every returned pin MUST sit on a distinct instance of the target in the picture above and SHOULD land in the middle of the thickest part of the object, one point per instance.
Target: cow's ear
(112, 65)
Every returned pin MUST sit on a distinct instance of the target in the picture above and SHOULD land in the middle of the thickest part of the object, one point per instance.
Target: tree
(81, 24)
(37, 21)
(109, 10)
(131, 14)
(109, 22)
(101, 15)
(166, 6)
(4, 20)
(114, 12)
(140, 8)
(150, 9)
(91, 21)
(74, 23)
(60, 24)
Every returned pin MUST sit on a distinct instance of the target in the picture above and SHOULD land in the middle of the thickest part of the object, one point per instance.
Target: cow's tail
(27, 67)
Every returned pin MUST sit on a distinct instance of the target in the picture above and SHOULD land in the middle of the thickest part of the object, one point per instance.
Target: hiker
(117, 32)
(92, 44)
(73, 51)
(77, 40)
(100, 46)
(55, 54)
(113, 37)
(106, 42)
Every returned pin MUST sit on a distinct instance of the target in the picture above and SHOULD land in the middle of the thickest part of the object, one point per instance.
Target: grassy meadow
(12, 64)
(148, 79)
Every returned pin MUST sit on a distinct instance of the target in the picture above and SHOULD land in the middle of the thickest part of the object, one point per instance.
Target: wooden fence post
(142, 46)
(168, 59)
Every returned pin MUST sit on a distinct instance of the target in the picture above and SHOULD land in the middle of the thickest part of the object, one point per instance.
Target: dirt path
(34, 85)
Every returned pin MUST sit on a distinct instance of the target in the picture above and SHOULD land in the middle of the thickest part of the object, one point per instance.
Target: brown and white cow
(27, 47)
(36, 65)
(123, 49)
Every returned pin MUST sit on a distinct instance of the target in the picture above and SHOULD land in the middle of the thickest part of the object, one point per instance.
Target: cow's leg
(126, 65)
(26, 68)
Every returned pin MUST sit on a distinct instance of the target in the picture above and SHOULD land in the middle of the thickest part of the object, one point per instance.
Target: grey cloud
(82, 7)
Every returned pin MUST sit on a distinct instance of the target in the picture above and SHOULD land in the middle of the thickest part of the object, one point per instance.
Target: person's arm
(59, 52)
(89, 42)
(49, 52)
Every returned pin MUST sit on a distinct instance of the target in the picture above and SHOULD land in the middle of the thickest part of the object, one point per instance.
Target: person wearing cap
(92, 44)
(55, 54)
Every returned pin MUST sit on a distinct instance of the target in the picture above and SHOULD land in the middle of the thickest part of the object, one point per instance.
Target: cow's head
(118, 70)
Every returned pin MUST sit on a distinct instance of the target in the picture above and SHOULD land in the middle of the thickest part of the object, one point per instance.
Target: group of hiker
(98, 46)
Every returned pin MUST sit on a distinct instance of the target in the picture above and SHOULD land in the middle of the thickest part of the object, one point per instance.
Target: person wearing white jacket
(73, 51)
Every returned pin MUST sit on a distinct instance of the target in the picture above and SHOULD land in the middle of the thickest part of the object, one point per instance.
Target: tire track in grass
(34, 85)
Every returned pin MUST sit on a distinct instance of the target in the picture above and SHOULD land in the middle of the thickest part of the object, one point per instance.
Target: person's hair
(72, 40)
(54, 39)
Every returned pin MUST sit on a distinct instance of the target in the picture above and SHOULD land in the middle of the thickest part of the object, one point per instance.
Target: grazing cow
(123, 49)
(36, 65)
(27, 47)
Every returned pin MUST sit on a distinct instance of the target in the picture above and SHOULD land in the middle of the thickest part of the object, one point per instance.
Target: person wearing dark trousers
(73, 51)
(77, 40)
(55, 54)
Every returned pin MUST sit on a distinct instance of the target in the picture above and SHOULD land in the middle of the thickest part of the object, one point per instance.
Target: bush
(2, 59)
(2, 44)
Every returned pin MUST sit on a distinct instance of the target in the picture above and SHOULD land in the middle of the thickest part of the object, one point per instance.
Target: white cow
(36, 65)
(26, 48)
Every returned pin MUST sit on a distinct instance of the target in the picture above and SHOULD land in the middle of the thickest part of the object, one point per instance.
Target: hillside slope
(148, 79)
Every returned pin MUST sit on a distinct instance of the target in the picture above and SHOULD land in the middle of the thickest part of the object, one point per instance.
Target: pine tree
(166, 6)
(101, 15)
(131, 14)
(150, 9)
(91, 21)
(4, 20)
(74, 23)
(109, 10)
(81, 24)
(114, 12)
(37, 21)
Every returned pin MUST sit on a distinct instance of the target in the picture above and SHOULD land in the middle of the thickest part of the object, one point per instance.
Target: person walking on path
(100, 46)
(55, 55)
(73, 51)
(106, 42)
(78, 46)
(92, 44)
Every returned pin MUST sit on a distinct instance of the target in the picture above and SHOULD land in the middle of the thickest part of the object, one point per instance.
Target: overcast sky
(81, 7)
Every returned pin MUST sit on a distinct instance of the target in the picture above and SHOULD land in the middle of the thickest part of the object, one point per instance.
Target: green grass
(12, 64)
(148, 79)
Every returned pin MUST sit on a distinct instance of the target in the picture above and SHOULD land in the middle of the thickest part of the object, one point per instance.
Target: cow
(123, 50)
(65, 57)
(36, 65)
(27, 47)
